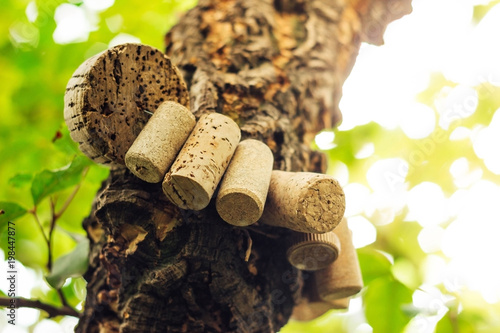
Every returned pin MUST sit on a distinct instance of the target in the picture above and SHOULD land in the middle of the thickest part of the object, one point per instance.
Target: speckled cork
(244, 188)
(198, 169)
(304, 201)
(343, 277)
(156, 147)
(312, 252)
(111, 96)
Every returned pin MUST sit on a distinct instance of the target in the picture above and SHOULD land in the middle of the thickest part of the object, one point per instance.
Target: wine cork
(307, 311)
(312, 252)
(341, 303)
(304, 201)
(160, 140)
(343, 277)
(199, 167)
(110, 96)
(311, 306)
(244, 188)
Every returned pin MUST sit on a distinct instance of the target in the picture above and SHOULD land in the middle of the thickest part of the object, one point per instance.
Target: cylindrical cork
(311, 306)
(343, 277)
(157, 145)
(312, 252)
(341, 303)
(244, 188)
(199, 167)
(304, 201)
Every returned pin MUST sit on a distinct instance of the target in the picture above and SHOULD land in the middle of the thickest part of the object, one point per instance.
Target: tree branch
(52, 311)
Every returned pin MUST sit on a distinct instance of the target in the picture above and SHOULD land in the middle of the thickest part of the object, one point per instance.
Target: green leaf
(385, 299)
(63, 142)
(10, 211)
(49, 182)
(73, 264)
(480, 11)
(20, 180)
(445, 325)
(373, 264)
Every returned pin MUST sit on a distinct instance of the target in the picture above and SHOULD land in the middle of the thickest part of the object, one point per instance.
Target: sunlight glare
(122, 38)
(28, 316)
(339, 171)
(73, 24)
(473, 237)
(68, 324)
(430, 238)
(366, 151)
(434, 269)
(417, 121)
(427, 204)
(363, 328)
(386, 177)
(324, 140)
(460, 133)
(485, 144)
(456, 104)
(11, 328)
(356, 197)
(379, 215)
(98, 5)
(363, 232)
(463, 177)
(48, 325)
(32, 11)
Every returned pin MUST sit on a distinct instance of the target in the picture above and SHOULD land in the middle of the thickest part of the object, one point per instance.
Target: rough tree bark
(277, 69)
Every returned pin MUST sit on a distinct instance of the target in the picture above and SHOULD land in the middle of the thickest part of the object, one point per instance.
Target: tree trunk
(277, 69)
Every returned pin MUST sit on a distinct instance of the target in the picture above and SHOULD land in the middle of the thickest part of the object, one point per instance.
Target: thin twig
(52, 311)
(53, 220)
(63, 298)
(34, 213)
(72, 195)
(51, 233)
(248, 252)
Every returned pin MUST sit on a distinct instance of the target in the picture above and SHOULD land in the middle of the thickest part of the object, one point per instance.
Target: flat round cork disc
(109, 96)
(312, 252)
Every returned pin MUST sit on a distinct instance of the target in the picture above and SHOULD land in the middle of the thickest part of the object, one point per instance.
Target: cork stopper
(341, 303)
(110, 97)
(343, 277)
(198, 169)
(311, 306)
(243, 190)
(304, 202)
(312, 252)
(157, 145)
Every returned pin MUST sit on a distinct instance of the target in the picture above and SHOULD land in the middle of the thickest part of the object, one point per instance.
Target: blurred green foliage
(41, 169)
(41, 166)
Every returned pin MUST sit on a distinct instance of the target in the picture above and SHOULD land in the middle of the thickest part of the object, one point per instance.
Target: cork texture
(243, 191)
(305, 202)
(107, 98)
(343, 277)
(311, 306)
(198, 169)
(312, 252)
(156, 147)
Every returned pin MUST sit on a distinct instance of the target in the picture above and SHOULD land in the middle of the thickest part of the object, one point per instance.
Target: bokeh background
(417, 154)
